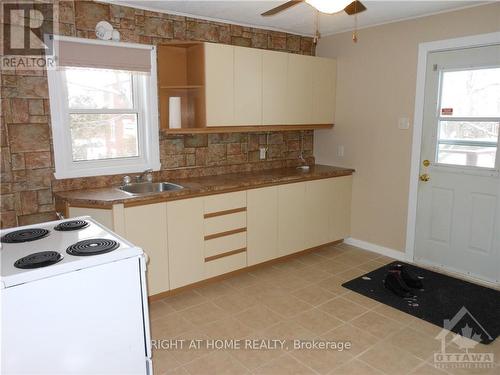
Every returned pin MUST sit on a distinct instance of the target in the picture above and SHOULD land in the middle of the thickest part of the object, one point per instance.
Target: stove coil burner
(38, 260)
(93, 246)
(71, 225)
(24, 235)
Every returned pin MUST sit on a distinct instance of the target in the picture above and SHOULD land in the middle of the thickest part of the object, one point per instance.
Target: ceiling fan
(323, 6)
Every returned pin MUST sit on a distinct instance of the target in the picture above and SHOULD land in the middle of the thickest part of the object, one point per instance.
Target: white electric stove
(74, 300)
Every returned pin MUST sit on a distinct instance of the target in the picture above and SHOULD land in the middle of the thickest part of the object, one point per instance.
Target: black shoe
(408, 277)
(394, 282)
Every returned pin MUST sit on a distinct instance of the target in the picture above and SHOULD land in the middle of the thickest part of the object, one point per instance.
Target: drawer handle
(226, 212)
(223, 255)
(223, 234)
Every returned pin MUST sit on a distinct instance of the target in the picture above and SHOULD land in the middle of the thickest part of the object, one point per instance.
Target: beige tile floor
(302, 299)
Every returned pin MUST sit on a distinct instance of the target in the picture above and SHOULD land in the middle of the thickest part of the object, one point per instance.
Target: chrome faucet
(126, 180)
(146, 176)
(301, 154)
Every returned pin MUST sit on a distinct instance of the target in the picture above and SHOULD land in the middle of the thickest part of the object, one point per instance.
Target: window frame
(145, 103)
(440, 118)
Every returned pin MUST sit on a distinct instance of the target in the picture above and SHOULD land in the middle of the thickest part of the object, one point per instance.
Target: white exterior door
(458, 211)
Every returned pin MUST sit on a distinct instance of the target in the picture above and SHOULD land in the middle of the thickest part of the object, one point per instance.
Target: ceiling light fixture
(329, 6)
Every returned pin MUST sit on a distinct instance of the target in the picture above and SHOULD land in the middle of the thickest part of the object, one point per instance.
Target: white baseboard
(398, 255)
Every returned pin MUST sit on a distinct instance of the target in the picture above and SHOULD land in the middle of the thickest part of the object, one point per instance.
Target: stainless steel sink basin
(150, 187)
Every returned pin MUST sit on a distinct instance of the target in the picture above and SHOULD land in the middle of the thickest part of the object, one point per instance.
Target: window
(104, 119)
(469, 118)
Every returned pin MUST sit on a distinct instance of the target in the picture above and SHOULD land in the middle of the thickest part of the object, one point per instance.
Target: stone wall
(27, 166)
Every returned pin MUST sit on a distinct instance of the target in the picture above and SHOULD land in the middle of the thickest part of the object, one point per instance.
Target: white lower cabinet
(185, 241)
(318, 212)
(103, 216)
(146, 227)
(262, 224)
(193, 239)
(291, 220)
(341, 196)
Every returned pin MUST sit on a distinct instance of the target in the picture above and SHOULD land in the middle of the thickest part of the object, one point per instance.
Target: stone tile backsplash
(27, 182)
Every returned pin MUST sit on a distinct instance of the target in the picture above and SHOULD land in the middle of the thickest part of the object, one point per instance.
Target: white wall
(375, 86)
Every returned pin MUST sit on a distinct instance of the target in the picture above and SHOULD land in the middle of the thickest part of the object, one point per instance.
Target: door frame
(424, 49)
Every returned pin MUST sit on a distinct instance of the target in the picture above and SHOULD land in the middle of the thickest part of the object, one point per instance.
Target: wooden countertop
(200, 186)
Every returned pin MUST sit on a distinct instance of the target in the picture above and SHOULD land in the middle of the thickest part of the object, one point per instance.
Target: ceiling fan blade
(281, 7)
(354, 7)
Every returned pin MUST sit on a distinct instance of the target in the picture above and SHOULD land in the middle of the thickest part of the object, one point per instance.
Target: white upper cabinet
(219, 84)
(252, 87)
(274, 88)
(247, 86)
(324, 81)
(300, 89)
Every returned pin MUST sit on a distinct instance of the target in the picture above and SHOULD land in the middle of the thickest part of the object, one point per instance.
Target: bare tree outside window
(103, 119)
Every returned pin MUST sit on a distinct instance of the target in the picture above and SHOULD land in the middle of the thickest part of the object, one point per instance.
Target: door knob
(426, 163)
(424, 177)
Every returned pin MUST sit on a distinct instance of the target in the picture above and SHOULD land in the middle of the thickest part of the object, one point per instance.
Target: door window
(469, 118)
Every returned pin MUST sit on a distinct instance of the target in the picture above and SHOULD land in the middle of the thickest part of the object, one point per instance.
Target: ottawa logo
(457, 350)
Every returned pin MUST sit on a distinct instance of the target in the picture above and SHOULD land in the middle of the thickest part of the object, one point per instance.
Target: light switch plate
(403, 123)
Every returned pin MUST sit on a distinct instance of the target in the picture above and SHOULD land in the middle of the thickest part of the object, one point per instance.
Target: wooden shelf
(247, 129)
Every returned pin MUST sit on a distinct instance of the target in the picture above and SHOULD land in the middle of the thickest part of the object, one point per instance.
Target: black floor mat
(473, 311)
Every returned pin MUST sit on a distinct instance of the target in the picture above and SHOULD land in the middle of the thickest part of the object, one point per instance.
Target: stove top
(68, 226)
(86, 244)
(24, 235)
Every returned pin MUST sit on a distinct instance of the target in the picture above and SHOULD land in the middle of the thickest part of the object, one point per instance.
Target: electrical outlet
(340, 151)
(263, 152)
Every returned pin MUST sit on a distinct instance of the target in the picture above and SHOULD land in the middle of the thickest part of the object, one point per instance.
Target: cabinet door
(274, 88)
(324, 80)
(219, 82)
(300, 89)
(319, 202)
(185, 241)
(291, 212)
(340, 226)
(102, 216)
(146, 227)
(247, 86)
(262, 224)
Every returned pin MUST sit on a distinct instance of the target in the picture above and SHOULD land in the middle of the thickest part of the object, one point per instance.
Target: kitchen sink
(150, 187)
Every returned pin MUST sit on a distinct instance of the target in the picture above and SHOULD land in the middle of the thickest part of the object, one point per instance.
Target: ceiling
(299, 19)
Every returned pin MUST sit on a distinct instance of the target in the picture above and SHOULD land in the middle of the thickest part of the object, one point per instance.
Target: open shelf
(181, 74)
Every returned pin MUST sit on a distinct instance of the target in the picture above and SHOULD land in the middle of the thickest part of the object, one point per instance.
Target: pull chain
(317, 35)
(355, 31)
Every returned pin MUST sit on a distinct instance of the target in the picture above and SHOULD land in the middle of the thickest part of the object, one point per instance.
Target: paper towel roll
(174, 115)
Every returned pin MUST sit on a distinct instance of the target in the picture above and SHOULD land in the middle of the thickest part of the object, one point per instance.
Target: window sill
(105, 171)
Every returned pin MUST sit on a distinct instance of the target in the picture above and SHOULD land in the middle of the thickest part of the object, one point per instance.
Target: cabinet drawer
(225, 202)
(225, 223)
(221, 245)
(226, 264)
